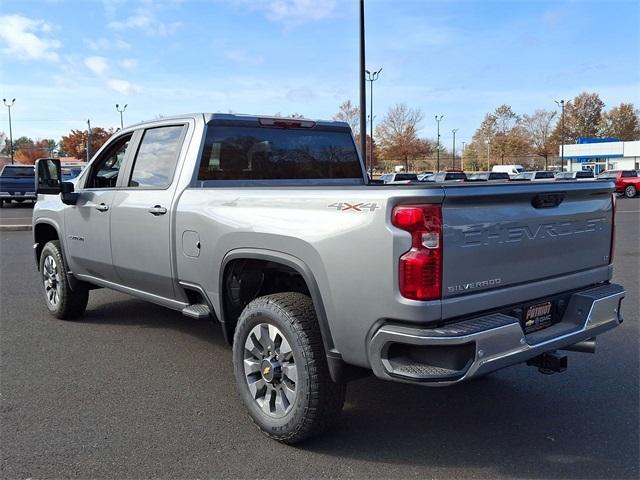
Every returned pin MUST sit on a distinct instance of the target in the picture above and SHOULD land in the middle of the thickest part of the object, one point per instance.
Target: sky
(66, 61)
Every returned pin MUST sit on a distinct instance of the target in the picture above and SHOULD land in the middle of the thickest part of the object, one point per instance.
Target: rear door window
(157, 156)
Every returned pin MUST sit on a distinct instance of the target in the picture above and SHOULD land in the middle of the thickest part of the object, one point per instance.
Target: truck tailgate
(502, 235)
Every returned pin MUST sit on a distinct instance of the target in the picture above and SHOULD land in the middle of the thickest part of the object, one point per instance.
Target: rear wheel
(61, 301)
(281, 368)
(630, 191)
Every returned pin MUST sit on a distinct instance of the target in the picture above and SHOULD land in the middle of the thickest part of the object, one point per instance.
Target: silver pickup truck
(270, 227)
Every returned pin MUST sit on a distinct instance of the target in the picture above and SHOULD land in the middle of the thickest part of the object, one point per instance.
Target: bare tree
(350, 113)
(538, 128)
(397, 134)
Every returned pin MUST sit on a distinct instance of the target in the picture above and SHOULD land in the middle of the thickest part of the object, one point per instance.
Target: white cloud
(294, 12)
(17, 33)
(145, 20)
(98, 65)
(123, 87)
(129, 63)
(242, 57)
(104, 44)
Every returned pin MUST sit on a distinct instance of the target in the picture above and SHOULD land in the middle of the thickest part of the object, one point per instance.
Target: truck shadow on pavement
(138, 313)
(515, 423)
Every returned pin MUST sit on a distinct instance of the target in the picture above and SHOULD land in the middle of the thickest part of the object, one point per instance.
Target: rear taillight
(612, 248)
(420, 272)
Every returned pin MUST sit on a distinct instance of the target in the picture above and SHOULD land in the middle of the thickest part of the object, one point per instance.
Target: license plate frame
(537, 316)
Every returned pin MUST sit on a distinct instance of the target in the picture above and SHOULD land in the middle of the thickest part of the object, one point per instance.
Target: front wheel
(630, 191)
(61, 301)
(281, 368)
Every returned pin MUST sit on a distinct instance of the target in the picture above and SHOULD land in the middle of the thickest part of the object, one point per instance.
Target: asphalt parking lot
(136, 391)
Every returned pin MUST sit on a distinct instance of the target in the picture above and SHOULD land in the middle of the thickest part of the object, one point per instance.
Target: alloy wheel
(270, 370)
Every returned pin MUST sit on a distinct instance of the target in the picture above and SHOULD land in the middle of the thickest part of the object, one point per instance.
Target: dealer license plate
(537, 317)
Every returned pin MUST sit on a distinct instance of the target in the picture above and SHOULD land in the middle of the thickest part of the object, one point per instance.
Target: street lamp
(454, 147)
(9, 105)
(363, 92)
(488, 142)
(121, 112)
(562, 104)
(438, 118)
(88, 140)
(464, 145)
(371, 77)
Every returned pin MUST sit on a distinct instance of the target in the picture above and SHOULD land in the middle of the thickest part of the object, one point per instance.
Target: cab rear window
(243, 153)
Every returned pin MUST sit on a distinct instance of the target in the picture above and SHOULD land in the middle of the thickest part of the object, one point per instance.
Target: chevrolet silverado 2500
(270, 227)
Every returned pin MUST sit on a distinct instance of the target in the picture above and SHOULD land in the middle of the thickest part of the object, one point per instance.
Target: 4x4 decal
(358, 207)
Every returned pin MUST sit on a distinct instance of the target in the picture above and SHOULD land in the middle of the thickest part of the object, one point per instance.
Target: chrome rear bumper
(471, 348)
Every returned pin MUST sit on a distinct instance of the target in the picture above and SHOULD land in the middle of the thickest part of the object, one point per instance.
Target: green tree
(622, 122)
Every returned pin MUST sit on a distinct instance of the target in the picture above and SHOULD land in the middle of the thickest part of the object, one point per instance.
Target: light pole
(9, 105)
(488, 142)
(464, 145)
(438, 118)
(363, 91)
(121, 112)
(453, 167)
(562, 104)
(88, 140)
(371, 77)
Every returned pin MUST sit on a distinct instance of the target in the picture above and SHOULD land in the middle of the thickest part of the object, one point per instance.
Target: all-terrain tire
(62, 302)
(317, 400)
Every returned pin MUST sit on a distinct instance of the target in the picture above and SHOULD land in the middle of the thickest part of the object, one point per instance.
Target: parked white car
(511, 170)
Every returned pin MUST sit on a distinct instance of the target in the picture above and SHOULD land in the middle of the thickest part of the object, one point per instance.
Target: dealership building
(599, 154)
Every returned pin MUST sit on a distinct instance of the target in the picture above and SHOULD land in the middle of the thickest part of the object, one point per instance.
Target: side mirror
(69, 197)
(48, 176)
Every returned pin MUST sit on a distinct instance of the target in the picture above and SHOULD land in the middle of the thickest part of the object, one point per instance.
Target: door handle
(102, 207)
(157, 210)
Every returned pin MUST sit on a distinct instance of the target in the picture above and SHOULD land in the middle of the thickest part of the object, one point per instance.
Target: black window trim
(131, 162)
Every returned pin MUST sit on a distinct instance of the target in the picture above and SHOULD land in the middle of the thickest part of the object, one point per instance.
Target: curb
(14, 228)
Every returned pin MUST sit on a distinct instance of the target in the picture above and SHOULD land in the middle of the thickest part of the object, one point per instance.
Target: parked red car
(627, 181)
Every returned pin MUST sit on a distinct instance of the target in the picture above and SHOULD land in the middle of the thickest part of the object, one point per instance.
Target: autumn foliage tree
(28, 154)
(397, 135)
(621, 122)
(75, 144)
(538, 128)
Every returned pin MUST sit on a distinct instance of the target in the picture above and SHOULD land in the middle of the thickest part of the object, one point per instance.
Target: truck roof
(245, 119)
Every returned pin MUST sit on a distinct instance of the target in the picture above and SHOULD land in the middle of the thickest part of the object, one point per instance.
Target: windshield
(10, 171)
(608, 175)
(544, 175)
(519, 169)
(456, 176)
(262, 153)
(403, 177)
